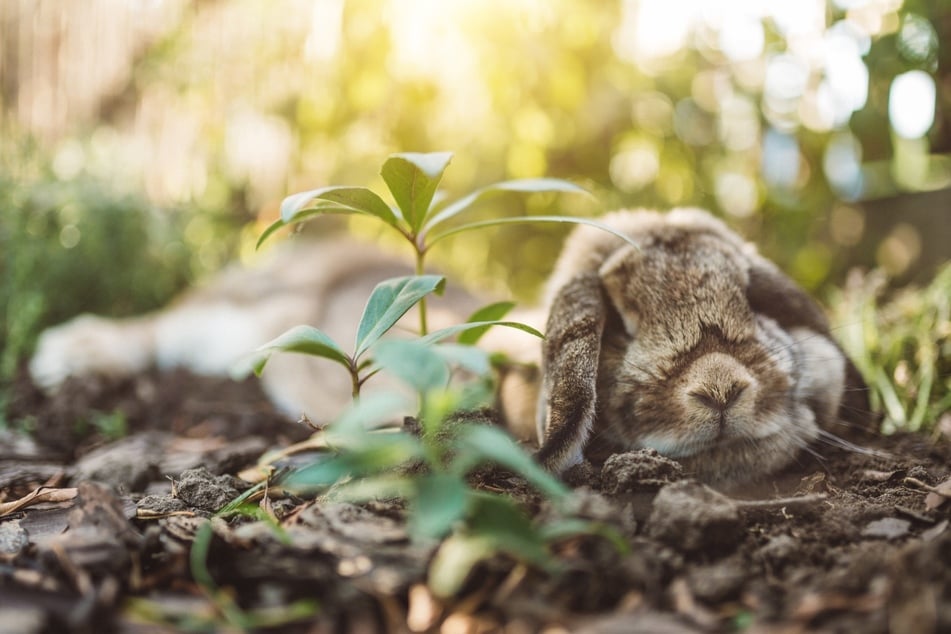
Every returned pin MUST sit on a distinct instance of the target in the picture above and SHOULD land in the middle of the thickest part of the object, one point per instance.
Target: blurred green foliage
(902, 345)
(773, 114)
(70, 247)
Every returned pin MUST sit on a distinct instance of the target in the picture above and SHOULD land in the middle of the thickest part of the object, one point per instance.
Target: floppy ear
(570, 365)
(773, 294)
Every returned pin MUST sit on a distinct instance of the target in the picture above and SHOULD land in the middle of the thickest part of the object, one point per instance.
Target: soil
(100, 534)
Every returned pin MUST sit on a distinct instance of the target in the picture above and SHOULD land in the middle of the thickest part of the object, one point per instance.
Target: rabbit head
(689, 343)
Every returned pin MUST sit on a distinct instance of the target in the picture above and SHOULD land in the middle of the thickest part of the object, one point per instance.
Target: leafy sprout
(419, 216)
(429, 471)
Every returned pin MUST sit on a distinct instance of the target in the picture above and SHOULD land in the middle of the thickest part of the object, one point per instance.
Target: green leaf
(364, 414)
(495, 525)
(375, 454)
(412, 179)
(449, 331)
(301, 339)
(413, 362)
(377, 487)
(473, 359)
(530, 220)
(315, 208)
(342, 200)
(267, 233)
(476, 444)
(508, 528)
(567, 527)
(454, 560)
(525, 185)
(492, 312)
(440, 501)
(390, 300)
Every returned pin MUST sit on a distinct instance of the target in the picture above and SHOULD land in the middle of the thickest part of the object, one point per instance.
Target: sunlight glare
(911, 104)
(326, 30)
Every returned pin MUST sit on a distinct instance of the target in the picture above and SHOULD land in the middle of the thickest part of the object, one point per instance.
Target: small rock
(719, 582)
(13, 538)
(887, 528)
(199, 488)
(636, 471)
(694, 517)
(581, 474)
(778, 551)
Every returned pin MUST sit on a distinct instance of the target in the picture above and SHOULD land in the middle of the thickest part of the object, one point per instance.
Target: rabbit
(689, 343)
(211, 328)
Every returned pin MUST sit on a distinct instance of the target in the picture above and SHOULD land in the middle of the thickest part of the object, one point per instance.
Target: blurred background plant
(77, 245)
(903, 347)
(820, 128)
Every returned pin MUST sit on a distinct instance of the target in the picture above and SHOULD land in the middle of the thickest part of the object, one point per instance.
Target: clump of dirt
(124, 536)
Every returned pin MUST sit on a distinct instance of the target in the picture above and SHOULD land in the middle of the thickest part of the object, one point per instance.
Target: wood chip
(938, 495)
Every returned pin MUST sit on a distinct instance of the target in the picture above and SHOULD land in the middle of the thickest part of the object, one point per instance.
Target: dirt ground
(119, 538)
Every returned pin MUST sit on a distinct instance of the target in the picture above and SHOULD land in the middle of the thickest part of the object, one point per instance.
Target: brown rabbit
(691, 344)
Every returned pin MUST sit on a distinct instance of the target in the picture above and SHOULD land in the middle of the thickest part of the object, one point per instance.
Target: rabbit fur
(689, 343)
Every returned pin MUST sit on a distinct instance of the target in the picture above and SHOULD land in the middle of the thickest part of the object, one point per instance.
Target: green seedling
(389, 301)
(429, 470)
(419, 216)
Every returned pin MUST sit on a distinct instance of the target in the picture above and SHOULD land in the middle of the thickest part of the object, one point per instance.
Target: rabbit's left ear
(571, 351)
(771, 293)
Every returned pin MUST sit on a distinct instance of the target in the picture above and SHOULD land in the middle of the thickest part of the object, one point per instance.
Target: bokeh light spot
(69, 236)
(911, 104)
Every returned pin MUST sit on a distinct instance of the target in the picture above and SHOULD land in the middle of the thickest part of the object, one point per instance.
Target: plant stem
(355, 381)
(420, 269)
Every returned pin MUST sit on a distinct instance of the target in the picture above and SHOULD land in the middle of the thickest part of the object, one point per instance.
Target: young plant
(419, 216)
(389, 301)
(429, 471)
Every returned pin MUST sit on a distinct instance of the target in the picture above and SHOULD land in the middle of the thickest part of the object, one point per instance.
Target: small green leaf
(413, 362)
(315, 208)
(492, 312)
(495, 525)
(302, 339)
(376, 453)
(412, 179)
(510, 530)
(343, 200)
(377, 487)
(476, 444)
(455, 559)
(525, 185)
(532, 220)
(473, 359)
(267, 233)
(390, 300)
(366, 413)
(449, 331)
(567, 527)
(440, 501)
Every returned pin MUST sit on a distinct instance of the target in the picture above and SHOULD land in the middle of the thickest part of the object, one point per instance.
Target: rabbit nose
(718, 398)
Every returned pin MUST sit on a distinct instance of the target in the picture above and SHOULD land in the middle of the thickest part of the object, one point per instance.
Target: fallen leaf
(37, 496)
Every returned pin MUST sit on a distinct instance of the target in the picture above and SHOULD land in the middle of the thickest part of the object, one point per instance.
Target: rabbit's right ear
(570, 364)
